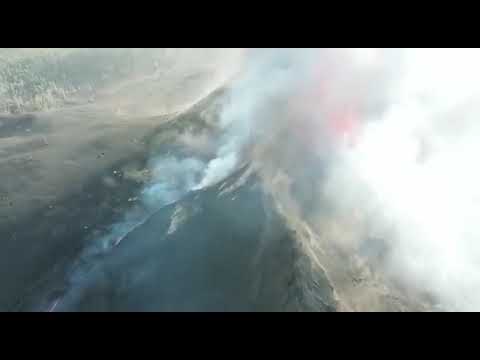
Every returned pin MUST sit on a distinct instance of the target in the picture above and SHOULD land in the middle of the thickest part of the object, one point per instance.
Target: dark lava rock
(220, 249)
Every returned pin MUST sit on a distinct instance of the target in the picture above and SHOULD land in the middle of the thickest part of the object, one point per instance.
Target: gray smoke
(410, 178)
(268, 75)
(172, 179)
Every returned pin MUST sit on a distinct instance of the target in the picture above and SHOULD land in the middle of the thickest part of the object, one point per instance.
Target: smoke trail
(172, 179)
(269, 75)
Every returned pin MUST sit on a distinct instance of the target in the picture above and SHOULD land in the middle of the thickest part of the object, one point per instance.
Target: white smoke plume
(172, 179)
(410, 165)
(267, 75)
(411, 172)
(417, 162)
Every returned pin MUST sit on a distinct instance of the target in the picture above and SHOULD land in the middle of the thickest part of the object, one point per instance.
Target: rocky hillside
(225, 248)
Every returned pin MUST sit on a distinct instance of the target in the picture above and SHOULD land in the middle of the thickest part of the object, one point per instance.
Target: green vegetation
(48, 80)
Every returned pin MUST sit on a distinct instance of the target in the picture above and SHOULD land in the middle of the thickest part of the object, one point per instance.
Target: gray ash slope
(224, 248)
(68, 173)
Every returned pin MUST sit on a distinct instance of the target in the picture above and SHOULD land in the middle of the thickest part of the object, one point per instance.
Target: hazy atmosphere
(239, 180)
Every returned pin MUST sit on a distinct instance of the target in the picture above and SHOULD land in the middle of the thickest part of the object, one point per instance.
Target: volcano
(101, 208)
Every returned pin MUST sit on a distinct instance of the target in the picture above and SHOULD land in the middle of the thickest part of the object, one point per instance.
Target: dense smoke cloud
(412, 175)
(417, 161)
(408, 168)
(267, 76)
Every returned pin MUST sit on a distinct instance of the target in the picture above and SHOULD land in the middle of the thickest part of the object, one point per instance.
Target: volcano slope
(224, 248)
(245, 243)
(248, 243)
(68, 172)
